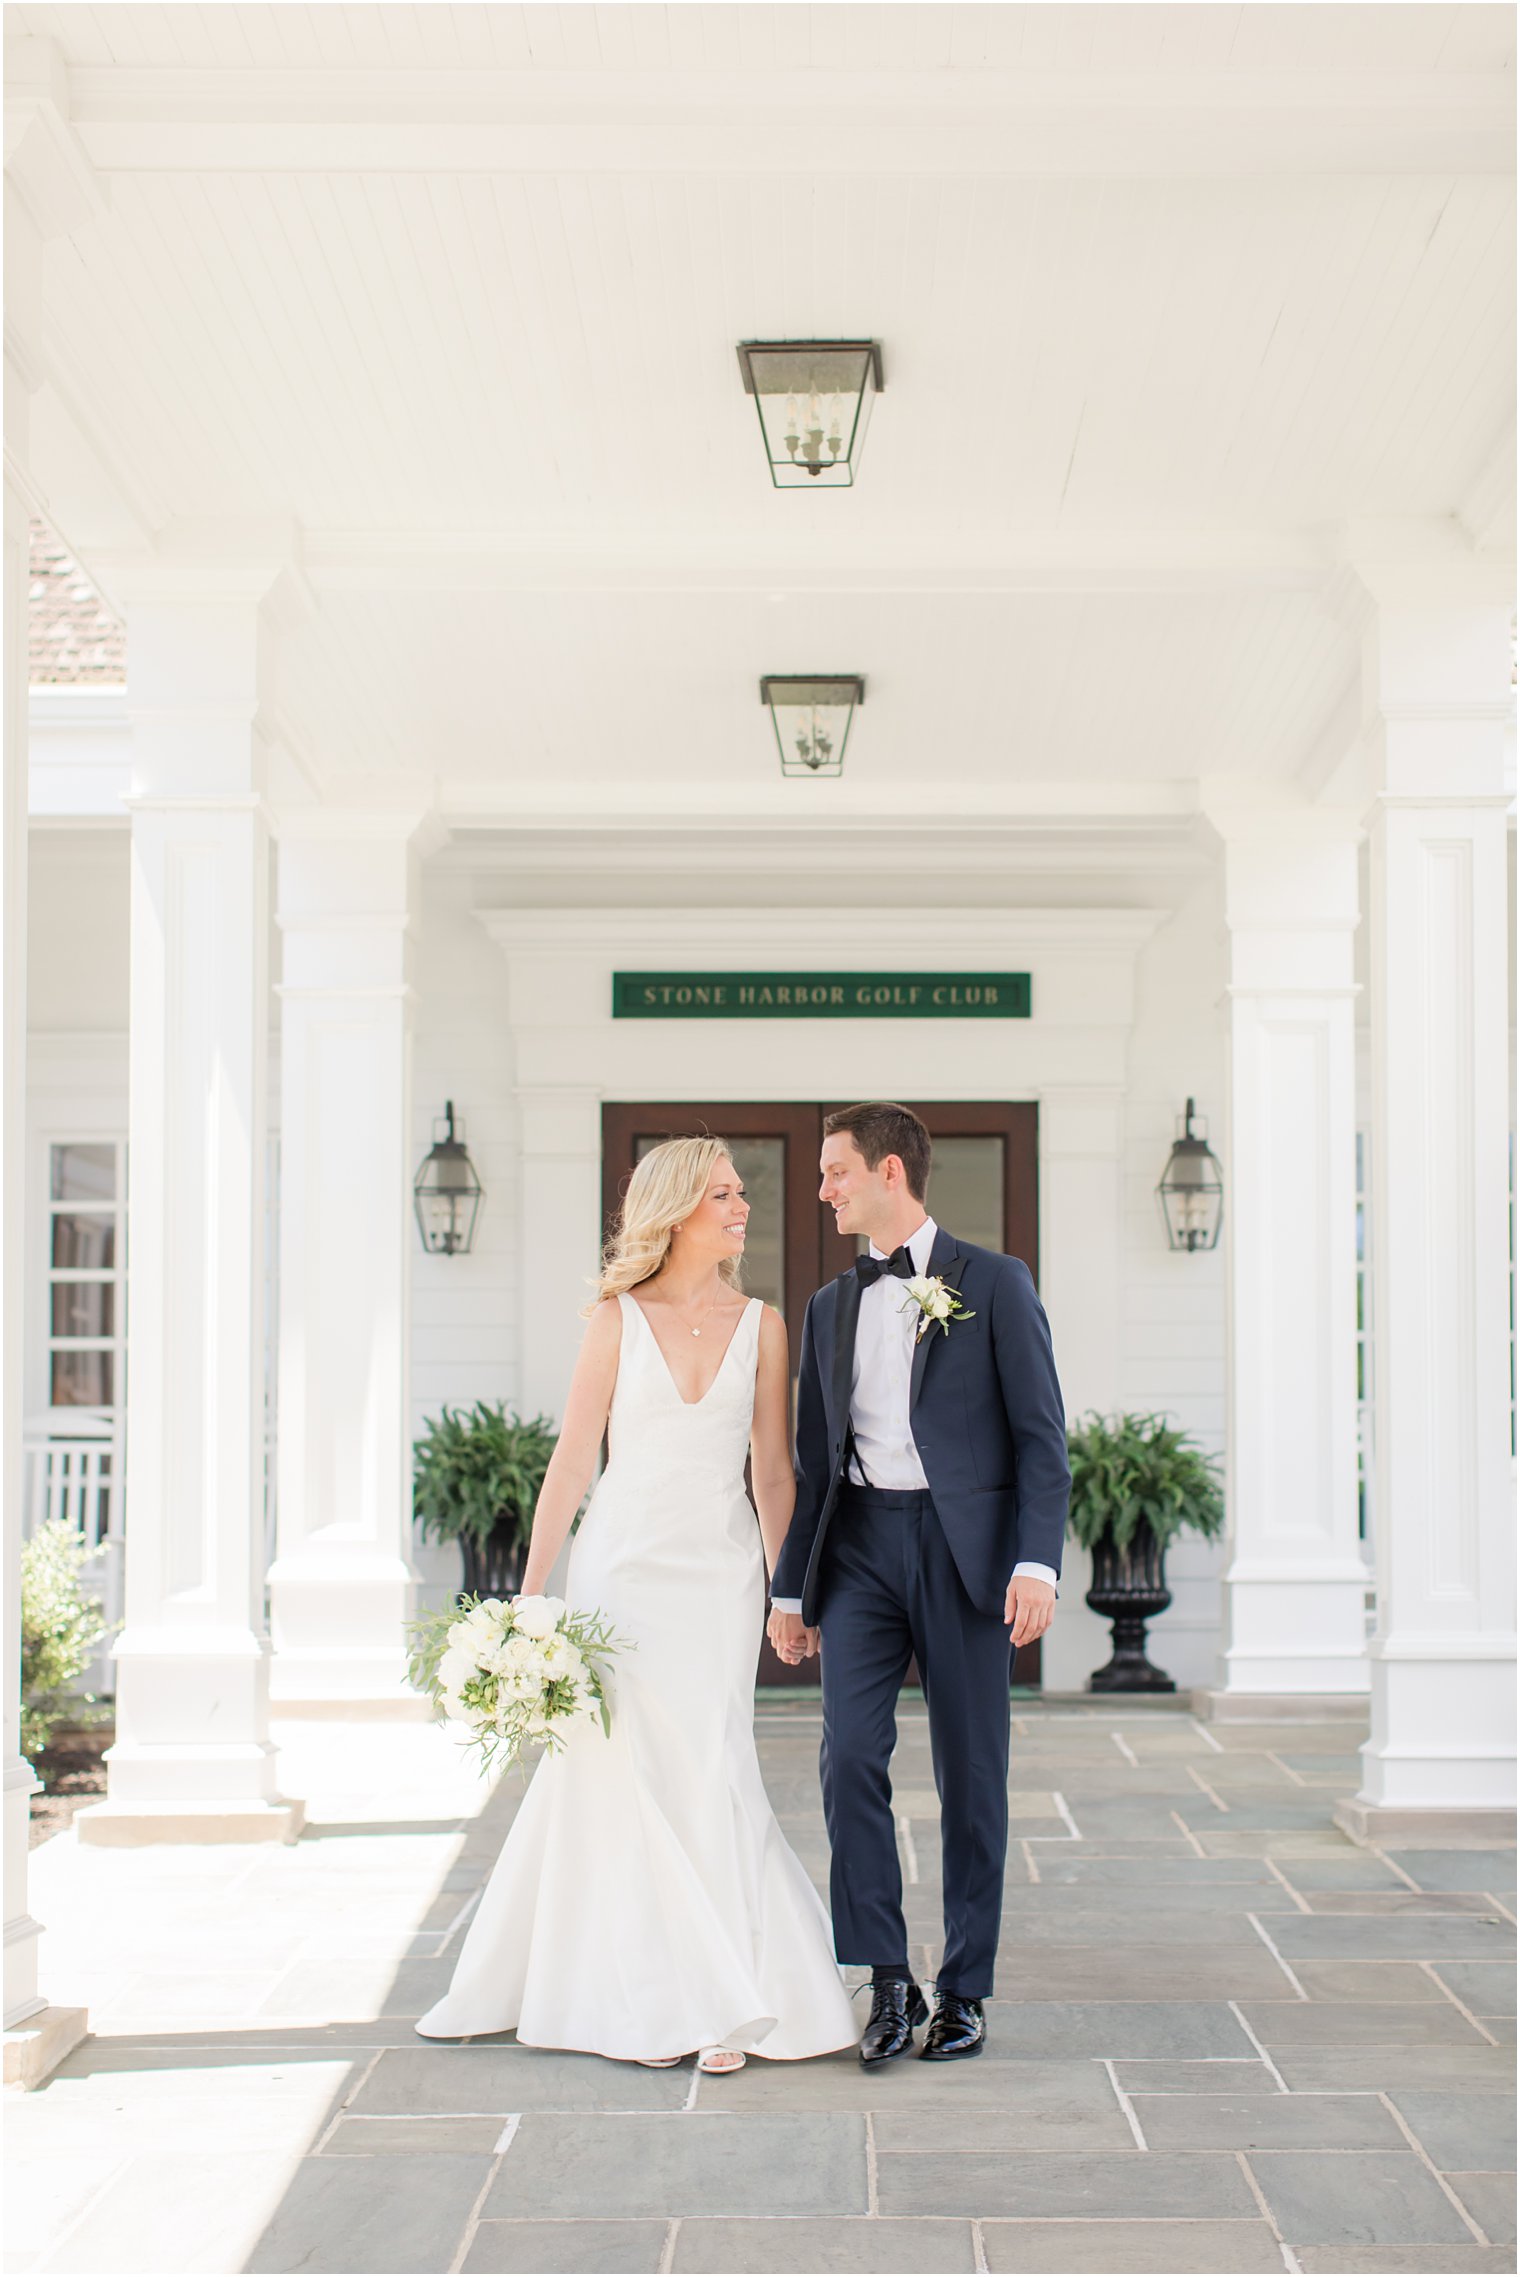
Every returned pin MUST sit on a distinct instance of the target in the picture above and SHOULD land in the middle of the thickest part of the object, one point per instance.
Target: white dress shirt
(885, 1453)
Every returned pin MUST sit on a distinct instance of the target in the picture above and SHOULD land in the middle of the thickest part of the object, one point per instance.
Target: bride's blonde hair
(666, 1187)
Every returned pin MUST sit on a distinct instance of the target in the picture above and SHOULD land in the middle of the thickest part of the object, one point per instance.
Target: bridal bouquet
(515, 1673)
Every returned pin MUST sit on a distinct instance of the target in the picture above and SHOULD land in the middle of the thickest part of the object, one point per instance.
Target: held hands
(791, 1640)
(1028, 1609)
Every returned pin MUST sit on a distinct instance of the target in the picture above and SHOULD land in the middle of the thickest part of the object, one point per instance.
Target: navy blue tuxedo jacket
(986, 1414)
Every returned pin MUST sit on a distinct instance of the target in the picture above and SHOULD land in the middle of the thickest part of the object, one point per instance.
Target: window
(86, 1274)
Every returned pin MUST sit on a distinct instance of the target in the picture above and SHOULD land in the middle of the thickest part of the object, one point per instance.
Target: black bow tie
(869, 1269)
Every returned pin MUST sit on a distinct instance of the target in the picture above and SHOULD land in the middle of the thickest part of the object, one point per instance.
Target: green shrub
(1126, 1469)
(60, 1629)
(472, 1471)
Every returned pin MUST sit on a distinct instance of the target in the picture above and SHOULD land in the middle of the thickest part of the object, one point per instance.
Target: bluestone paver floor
(1224, 2038)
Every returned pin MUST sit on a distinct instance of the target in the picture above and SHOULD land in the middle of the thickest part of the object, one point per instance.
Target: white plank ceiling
(900, 37)
(1128, 415)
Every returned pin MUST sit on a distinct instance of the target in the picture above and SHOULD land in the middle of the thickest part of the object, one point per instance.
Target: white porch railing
(76, 1472)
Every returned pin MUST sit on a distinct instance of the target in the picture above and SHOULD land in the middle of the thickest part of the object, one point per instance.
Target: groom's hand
(791, 1639)
(1029, 1608)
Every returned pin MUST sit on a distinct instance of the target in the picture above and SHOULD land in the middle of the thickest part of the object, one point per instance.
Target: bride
(645, 1903)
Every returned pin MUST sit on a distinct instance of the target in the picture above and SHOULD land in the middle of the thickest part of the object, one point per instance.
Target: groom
(931, 1503)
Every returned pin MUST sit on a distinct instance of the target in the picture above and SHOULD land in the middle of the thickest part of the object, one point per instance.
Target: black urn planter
(1129, 1589)
(493, 1563)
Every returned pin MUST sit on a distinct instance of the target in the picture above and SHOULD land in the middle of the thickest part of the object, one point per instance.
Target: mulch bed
(72, 1774)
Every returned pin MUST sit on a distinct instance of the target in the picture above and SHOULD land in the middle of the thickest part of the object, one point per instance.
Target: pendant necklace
(705, 1318)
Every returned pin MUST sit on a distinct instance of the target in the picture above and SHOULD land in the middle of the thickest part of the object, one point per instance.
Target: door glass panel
(84, 1173)
(966, 1189)
(761, 1163)
(84, 1243)
(83, 1379)
(84, 1308)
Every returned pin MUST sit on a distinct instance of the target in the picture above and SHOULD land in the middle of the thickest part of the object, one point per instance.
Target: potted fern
(1135, 1484)
(475, 1481)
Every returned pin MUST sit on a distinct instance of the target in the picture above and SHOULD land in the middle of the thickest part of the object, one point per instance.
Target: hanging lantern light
(447, 1194)
(814, 398)
(1191, 1192)
(812, 719)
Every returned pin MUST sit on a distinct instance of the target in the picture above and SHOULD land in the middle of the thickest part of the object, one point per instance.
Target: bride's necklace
(705, 1318)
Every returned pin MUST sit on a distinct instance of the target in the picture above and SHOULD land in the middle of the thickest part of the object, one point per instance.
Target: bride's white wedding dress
(645, 1902)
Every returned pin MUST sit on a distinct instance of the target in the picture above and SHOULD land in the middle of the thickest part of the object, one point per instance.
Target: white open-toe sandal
(719, 2060)
(657, 2063)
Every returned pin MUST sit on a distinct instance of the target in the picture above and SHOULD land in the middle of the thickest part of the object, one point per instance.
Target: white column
(1296, 1584)
(1081, 1141)
(37, 2034)
(560, 1236)
(22, 1998)
(342, 1585)
(1443, 1658)
(193, 1758)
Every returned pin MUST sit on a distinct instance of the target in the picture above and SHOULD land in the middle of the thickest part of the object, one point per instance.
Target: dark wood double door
(983, 1188)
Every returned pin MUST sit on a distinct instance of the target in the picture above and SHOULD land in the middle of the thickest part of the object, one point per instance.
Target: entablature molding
(44, 156)
(968, 120)
(788, 936)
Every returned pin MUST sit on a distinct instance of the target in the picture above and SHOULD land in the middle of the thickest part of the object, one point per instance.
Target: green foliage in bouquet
(470, 1690)
(60, 1628)
(1132, 1469)
(472, 1471)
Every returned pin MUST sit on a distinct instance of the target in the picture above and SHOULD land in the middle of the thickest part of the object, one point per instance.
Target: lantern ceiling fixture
(814, 398)
(812, 718)
(1191, 1192)
(446, 1193)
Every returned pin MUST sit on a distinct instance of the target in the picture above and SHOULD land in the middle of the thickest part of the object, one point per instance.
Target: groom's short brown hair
(879, 1128)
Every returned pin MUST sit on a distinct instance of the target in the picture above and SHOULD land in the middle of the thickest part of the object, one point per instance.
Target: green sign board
(820, 996)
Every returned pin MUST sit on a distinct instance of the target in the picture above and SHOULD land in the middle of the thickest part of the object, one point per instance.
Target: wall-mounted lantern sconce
(812, 719)
(1191, 1192)
(447, 1194)
(814, 398)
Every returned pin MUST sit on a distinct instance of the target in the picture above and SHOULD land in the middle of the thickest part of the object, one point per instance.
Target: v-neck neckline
(665, 1364)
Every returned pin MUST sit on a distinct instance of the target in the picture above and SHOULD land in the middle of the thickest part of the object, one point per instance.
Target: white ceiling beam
(1021, 817)
(793, 123)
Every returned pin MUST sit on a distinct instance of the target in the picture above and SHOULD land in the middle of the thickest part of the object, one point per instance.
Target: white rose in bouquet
(537, 1616)
(456, 1668)
(505, 1654)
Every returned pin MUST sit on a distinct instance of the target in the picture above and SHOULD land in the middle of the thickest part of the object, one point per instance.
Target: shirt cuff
(786, 1605)
(1040, 1572)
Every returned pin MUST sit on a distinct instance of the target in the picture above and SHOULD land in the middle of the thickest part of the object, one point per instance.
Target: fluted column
(342, 1585)
(1296, 1584)
(1443, 1658)
(22, 1997)
(38, 2033)
(193, 1757)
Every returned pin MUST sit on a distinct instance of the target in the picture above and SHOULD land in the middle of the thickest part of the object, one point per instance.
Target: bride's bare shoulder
(604, 1323)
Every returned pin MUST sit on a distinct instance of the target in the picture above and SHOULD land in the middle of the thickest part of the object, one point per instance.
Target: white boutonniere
(938, 1304)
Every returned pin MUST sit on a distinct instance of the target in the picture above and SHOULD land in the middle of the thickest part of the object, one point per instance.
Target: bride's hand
(791, 1639)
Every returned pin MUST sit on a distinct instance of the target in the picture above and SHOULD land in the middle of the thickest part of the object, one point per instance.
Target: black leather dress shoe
(896, 2006)
(958, 2029)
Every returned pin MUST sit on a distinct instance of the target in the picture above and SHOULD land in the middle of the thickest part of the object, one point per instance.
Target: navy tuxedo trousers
(890, 1589)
